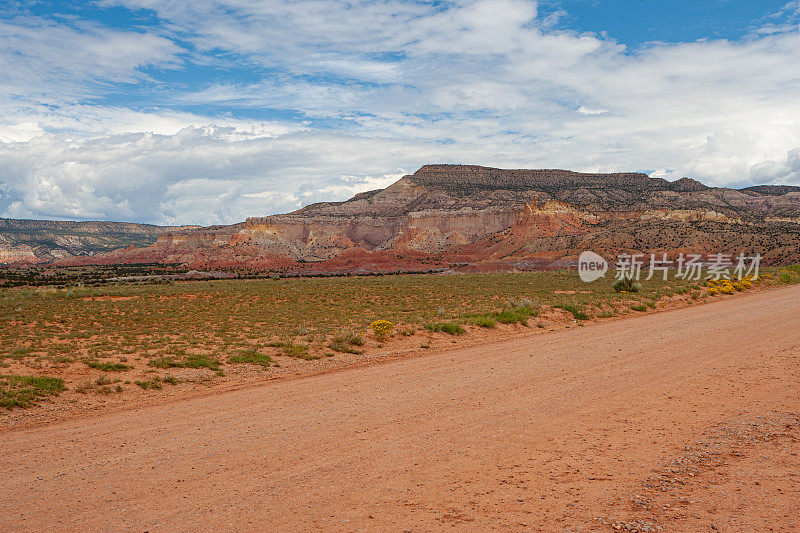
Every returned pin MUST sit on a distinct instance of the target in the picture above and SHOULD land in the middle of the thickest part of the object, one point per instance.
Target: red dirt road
(680, 420)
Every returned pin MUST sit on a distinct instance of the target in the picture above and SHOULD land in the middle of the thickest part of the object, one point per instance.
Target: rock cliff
(44, 241)
(471, 217)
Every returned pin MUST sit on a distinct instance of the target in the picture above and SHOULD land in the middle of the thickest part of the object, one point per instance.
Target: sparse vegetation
(483, 321)
(345, 343)
(253, 357)
(25, 391)
(151, 384)
(290, 349)
(191, 361)
(451, 328)
(577, 313)
(106, 366)
(211, 326)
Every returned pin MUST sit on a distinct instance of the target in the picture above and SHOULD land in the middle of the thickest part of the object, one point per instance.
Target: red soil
(681, 420)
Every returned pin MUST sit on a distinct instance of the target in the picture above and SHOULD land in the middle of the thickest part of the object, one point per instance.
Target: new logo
(591, 266)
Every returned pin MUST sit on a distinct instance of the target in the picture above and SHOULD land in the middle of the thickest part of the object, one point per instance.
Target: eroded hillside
(486, 218)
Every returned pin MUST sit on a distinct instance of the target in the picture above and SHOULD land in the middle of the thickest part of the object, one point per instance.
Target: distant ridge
(462, 217)
(773, 190)
(455, 176)
(25, 241)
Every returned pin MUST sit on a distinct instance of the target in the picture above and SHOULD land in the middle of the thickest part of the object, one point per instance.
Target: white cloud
(778, 172)
(380, 88)
(55, 61)
(583, 110)
(198, 175)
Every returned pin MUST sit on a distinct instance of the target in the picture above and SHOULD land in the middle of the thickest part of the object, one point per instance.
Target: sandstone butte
(474, 218)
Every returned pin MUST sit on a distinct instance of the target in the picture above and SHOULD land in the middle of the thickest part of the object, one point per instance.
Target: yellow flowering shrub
(727, 287)
(382, 328)
(723, 286)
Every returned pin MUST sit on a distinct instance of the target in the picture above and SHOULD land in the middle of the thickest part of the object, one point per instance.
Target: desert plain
(521, 401)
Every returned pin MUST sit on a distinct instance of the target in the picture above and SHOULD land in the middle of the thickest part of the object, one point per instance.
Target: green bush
(484, 321)
(626, 284)
(251, 356)
(154, 384)
(518, 311)
(453, 328)
(572, 308)
(512, 316)
(107, 367)
(192, 361)
(24, 391)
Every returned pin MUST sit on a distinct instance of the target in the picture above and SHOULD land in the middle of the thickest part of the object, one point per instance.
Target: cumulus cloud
(198, 175)
(371, 90)
(779, 172)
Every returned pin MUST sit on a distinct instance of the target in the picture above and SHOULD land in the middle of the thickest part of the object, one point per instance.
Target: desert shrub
(103, 380)
(344, 343)
(518, 311)
(572, 308)
(201, 361)
(382, 328)
(251, 356)
(338, 345)
(106, 366)
(484, 321)
(525, 306)
(512, 316)
(355, 338)
(726, 286)
(639, 307)
(25, 391)
(290, 349)
(83, 387)
(152, 384)
(452, 328)
(626, 284)
(191, 361)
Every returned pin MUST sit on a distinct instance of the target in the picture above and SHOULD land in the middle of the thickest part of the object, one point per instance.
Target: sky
(210, 111)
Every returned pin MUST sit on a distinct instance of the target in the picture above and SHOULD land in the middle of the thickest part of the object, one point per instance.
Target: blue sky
(636, 22)
(210, 111)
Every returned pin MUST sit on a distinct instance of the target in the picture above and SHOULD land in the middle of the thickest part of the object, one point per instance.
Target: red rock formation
(486, 218)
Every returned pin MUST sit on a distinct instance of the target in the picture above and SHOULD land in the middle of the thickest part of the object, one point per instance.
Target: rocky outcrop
(44, 241)
(461, 216)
